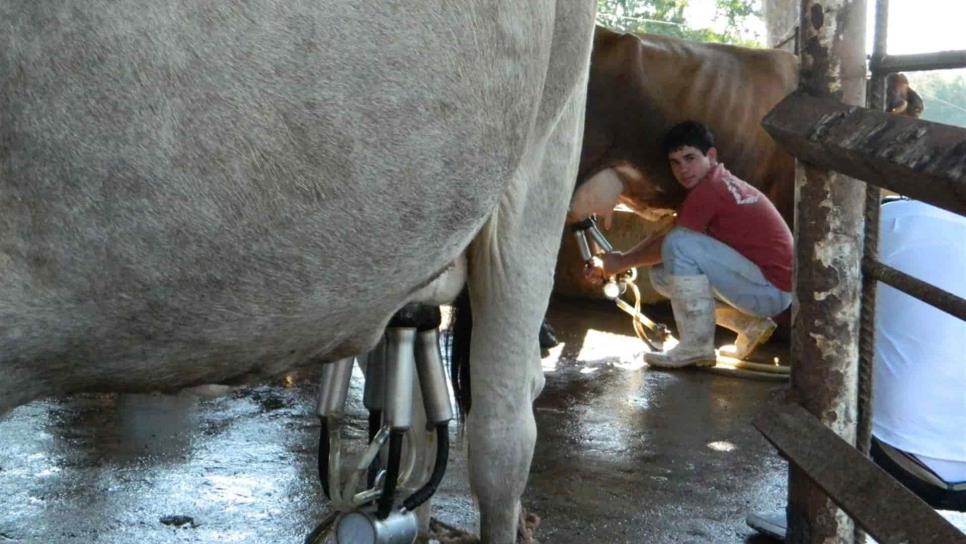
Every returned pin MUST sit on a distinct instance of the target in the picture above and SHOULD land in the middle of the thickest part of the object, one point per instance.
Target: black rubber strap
(423, 494)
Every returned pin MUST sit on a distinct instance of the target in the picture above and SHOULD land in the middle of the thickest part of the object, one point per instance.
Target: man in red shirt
(729, 248)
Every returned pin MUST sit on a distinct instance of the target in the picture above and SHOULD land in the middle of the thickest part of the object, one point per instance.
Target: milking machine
(653, 334)
(380, 512)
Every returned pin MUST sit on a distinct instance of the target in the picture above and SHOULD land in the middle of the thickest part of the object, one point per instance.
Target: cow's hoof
(448, 534)
(548, 337)
(526, 527)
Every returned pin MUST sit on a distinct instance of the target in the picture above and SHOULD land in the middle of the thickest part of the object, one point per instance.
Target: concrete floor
(628, 454)
(625, 454)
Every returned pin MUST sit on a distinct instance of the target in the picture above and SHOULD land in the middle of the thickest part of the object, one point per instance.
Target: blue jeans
(734, 279)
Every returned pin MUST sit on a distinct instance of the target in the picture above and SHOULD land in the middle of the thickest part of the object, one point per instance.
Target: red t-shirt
(732, 211)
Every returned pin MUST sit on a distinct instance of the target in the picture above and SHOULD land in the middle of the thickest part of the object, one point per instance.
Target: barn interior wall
(781, 18)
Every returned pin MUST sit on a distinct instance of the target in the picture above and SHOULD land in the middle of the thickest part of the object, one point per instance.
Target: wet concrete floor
(625, 454)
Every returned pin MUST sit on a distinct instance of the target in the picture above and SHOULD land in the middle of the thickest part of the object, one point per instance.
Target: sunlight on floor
(233, 489)
(549, 363)
(600, 345)
(722, 445)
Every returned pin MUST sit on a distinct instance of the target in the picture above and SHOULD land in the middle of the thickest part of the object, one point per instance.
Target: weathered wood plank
(920, 159)
(876, 501)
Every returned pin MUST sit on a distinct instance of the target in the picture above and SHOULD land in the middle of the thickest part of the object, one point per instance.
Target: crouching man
(728, 258)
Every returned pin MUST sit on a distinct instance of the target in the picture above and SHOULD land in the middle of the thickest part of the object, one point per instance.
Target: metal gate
(824, 427)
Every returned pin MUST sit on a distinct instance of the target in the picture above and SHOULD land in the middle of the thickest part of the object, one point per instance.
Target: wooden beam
(876, 501)
(919, 159)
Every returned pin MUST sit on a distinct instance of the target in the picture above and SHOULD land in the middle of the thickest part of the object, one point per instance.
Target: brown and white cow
(640, 86)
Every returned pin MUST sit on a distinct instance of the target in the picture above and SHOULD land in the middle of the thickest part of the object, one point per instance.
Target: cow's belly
(232, 190)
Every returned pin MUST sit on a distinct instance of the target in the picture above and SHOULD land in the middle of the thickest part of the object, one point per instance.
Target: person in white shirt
(919, 382)
(919, 387)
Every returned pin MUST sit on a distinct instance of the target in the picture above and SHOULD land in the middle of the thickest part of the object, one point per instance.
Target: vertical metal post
(880, 39)
(871, 247)
(873, 196)
(828, 241)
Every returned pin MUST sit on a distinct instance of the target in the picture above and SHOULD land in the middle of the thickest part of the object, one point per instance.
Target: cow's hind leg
(510, 277)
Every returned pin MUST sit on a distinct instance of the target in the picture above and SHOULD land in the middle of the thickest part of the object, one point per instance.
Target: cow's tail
(461, 329)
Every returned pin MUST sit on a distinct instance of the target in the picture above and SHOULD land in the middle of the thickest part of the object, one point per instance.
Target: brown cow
(640, 86)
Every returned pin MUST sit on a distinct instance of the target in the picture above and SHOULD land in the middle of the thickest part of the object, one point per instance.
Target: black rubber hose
(392, 474)
(324, 456)
(461, 334)
(423, 494)
(375, 422)
(582, 225)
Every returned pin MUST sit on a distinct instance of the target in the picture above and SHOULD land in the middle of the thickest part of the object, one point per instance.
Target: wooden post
(828, 239)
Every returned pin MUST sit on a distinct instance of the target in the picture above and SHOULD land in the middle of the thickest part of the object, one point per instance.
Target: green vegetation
(944, 94)
(668, 17)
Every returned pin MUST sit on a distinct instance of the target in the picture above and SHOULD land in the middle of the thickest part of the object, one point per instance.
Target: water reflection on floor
(625, 454)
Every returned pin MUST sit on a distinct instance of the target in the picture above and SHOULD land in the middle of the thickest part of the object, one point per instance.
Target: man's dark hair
(690, 133)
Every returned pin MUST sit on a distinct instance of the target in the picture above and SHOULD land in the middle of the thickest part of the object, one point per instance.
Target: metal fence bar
(875, 100)
(926, 292)
(941, 60)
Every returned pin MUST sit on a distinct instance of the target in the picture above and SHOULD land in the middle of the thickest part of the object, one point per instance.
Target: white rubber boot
(693, 307)
(753, 331)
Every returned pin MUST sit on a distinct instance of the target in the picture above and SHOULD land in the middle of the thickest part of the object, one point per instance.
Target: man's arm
(646, 253)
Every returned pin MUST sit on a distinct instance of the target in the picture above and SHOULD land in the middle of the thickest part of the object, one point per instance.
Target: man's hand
(603, 266)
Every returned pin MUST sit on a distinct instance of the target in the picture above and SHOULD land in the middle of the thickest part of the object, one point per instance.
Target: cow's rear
(202, 191)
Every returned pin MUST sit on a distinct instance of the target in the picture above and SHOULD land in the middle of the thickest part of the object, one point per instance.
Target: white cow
(203, 191)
